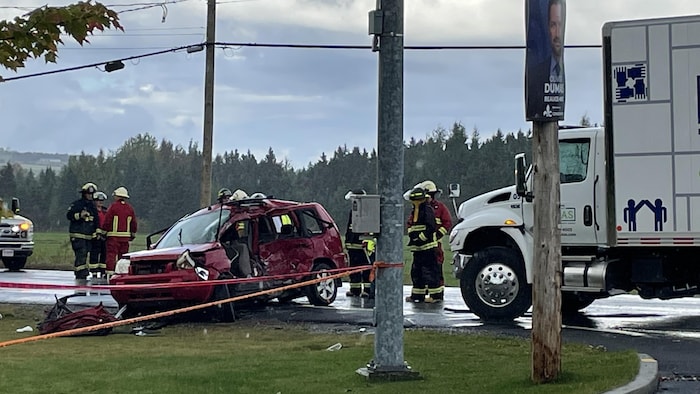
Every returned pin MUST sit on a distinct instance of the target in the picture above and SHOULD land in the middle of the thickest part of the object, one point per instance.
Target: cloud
(300, 102)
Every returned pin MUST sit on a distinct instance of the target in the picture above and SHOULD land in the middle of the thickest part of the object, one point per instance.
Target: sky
(299, 102)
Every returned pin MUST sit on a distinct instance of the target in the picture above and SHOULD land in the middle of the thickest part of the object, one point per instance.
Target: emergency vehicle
(16, 236)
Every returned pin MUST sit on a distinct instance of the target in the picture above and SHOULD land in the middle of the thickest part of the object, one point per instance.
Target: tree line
(163, 179)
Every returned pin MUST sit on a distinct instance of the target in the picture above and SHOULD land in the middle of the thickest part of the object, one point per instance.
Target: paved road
(667, 330)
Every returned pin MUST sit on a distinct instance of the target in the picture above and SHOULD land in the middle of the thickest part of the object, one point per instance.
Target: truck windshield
(192, 230)
(573, 159)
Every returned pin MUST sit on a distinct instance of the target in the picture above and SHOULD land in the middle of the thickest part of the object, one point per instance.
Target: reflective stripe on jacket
(120, 220)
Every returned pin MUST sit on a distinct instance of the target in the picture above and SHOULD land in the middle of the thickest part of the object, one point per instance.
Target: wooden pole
(205, 189)
(546, 287)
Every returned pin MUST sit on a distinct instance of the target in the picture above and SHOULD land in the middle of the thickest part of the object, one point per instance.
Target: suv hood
(169, 253)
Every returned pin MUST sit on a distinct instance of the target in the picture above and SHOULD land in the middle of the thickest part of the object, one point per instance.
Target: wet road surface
(667, 330)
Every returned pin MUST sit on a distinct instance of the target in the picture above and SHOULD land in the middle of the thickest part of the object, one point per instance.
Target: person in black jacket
(425, 270)
(83, 217)
(358, 256)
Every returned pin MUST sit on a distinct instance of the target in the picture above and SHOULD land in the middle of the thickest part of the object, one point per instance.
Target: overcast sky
(300, 102)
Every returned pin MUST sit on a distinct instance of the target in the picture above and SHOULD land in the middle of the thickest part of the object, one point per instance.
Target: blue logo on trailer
(630, 83)
(630, 213)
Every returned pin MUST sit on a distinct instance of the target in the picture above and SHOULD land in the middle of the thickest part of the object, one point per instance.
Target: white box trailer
(653, 116)
(630, 191)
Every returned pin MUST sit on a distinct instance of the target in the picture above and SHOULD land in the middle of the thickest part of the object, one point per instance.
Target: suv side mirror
(520, 182)
(454, 190)
(15, 205)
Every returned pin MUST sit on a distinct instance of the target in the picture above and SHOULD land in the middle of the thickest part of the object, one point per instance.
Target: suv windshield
(197, 229)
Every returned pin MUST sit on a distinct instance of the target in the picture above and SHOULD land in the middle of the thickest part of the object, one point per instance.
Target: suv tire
(322, 293)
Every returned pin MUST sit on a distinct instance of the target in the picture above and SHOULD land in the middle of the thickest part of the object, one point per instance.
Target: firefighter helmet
(417, 194)
(99, 196)
(224, 194)
(239, 195)
(88, 188)
(121, 192)
(429, 186)
(258, 195)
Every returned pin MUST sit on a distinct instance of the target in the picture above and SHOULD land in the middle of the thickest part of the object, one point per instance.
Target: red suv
(253, 237)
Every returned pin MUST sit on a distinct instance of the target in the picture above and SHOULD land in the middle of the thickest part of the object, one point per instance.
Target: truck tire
(14, 264)
(572, 303)
(322, 293)
(494, 285)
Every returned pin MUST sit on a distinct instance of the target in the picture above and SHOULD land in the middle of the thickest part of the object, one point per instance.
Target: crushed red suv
(253, 237)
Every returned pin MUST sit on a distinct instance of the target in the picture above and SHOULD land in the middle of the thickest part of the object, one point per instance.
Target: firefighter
(120, 225)
(98, 250)
(223, 195)
(442, 219)
(425, 269)
(83, 218)
(358, 256)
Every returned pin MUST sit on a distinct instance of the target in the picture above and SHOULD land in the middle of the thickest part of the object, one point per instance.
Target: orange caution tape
(382, 264)
(83, 330)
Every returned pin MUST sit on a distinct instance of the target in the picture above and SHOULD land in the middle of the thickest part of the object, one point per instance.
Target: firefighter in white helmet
(120, 225)
(239, 195)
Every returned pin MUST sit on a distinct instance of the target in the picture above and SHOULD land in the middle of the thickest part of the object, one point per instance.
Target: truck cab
(16, 236)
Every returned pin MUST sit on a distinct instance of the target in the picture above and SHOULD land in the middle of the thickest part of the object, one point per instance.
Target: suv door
(288, 252)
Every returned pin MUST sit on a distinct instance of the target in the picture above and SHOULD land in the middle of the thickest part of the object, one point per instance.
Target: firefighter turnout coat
(120, 221)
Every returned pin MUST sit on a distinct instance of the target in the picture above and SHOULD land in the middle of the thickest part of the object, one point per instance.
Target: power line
(227, 45)
(407, 47)
(62, 70)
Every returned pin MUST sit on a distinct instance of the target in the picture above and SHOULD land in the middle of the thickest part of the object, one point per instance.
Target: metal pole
(205, 189)
(388, 363)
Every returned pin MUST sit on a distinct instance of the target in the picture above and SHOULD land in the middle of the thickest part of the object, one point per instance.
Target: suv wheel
(322, 293)
(14, 264)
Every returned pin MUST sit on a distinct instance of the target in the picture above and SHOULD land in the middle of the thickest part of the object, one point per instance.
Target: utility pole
(546, 286)
(205, 196)
(386, 25)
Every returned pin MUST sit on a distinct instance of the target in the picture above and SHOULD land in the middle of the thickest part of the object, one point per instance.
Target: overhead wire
(229, 45)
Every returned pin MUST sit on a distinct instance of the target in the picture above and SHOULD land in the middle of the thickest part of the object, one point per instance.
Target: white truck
(16, 236)
(630, 192)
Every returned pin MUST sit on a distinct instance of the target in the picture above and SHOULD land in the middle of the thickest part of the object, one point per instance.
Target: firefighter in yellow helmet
(425, 270)
(83, 218)
(443, 219)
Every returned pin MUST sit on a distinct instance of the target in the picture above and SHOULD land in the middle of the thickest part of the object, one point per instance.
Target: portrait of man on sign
(544, 60)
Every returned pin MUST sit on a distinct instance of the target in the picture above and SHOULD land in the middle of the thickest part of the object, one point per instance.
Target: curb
(647, 380)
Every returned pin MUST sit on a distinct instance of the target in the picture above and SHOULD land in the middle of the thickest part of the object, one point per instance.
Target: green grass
(52, 251)
(274, 357)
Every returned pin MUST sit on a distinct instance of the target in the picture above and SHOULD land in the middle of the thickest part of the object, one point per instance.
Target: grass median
(275, 357)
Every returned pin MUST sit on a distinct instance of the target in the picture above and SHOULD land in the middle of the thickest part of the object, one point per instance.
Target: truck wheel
(14, 264)
(322, 293)
(572, 303)
(494, 285)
